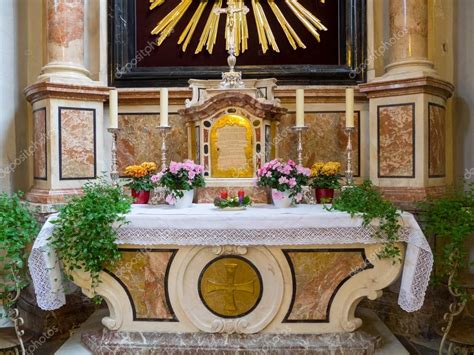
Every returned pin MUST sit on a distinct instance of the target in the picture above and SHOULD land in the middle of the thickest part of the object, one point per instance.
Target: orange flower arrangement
(140, 176)
(139, 171)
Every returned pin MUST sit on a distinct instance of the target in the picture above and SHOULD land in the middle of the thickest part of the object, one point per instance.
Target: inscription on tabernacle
(231, 143)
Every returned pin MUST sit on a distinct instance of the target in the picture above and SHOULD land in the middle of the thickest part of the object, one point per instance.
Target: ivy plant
(366, 201)
(451, 219)
(86, 229)
(18, 228)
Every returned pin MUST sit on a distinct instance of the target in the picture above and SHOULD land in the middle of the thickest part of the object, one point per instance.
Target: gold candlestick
(164, 130)
(349, 154)
(114, 173)
(299, 149)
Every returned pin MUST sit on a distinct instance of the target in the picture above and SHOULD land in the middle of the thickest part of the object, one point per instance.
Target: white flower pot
(281, 199)
(185, 201)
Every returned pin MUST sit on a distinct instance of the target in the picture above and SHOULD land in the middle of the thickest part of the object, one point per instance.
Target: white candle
(299, 107)
(350, 108)
(113, 109)
(164, 107)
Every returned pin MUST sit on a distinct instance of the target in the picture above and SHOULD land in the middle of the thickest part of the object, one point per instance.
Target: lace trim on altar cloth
(251, 237)
(47, 275)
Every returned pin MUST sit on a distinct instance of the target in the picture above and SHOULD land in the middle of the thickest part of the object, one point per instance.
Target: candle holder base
(164, 130)
(349, 155)
(299, 149)
(114, 173)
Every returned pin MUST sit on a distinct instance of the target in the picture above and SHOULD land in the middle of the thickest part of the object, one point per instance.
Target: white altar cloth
(203, 224)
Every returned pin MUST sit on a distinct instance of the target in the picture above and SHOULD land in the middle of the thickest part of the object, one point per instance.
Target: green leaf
(85, 234)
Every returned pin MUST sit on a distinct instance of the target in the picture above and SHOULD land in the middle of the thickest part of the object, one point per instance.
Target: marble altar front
(299, 270)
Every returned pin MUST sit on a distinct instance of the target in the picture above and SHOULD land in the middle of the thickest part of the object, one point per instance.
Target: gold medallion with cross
(230, 286)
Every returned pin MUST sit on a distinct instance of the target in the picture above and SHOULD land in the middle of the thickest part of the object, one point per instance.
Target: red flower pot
(141, 197)
(325, 195)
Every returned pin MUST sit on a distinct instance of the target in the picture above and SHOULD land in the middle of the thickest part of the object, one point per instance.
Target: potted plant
(140, 181)
(451, 220)
(179, 181)
(86, 229)
(286, 180)
(18, 228)
(325, 179)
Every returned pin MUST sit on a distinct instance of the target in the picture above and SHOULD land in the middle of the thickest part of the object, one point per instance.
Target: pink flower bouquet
(284, 177)
(178, 178)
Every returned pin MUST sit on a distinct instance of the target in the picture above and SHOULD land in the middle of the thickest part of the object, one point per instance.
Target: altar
(263, 270)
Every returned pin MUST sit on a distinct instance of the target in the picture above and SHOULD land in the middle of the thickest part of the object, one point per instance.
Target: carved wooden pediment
(233, 99)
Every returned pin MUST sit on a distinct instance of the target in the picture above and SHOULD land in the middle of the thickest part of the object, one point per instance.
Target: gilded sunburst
(240, 27)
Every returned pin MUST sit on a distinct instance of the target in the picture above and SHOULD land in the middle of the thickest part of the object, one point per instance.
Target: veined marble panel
(324, 140)
(176, 343)
(39, 142)
(77, 143)
(144, 275)
(317, 275)
(396, 140)
(140, 140)
(437, 140)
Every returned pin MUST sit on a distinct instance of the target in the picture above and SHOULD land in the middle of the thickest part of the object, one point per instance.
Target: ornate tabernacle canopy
(231, 131)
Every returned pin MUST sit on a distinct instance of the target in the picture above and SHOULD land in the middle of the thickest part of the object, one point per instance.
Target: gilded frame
(232, 120)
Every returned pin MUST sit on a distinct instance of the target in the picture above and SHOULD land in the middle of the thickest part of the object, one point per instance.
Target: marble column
(407, 110)
(65, 42)
(408, 37)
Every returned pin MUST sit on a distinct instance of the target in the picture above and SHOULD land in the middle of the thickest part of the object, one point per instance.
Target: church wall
(464, 95)
(140, 140)
(325, 139)
(14, 135)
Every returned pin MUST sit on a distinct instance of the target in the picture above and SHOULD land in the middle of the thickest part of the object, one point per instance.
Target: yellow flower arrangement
(150, 167)
(325, 175)
(331, 168)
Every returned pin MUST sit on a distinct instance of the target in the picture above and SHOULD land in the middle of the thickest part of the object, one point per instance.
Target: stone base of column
(51, 197)
(410, 68)
(411, 194)
(68, 140)
(409, 140)
(58, 72)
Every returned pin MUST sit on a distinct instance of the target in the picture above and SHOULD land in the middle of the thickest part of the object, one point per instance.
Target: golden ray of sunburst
(208, 37)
